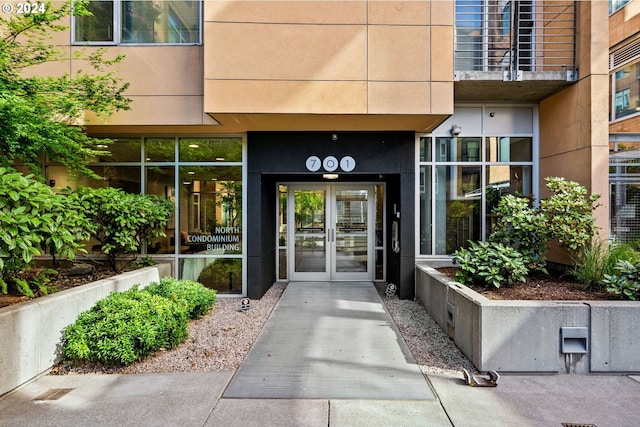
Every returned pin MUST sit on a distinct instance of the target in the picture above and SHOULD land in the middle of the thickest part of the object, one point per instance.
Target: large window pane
(160, 150)
(222, 274)
(160, 181)
(425, 149)
(140, 22)
(160, 22)
(458, 149)
(124, 177)
(626, 91)
(426, 221)
(98, 27)
(211, 150)
(509, 149)
(122, 150)
(457, 207)
(501, 180)
(211, 209)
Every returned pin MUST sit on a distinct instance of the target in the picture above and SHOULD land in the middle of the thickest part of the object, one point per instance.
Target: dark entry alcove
(274, 157)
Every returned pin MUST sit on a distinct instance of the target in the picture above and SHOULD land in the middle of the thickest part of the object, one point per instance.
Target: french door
(331, 232)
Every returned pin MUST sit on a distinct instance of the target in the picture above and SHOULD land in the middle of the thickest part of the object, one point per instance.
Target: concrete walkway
(336, 321)
(330, 340)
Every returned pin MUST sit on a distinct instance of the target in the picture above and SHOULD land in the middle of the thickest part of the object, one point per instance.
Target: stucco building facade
(344, 140)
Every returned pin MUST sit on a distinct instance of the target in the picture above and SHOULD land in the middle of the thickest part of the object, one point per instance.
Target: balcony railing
(515, 37)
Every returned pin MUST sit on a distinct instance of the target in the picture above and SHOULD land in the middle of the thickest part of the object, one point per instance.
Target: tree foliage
(41, 115)
(33, 217)
(121, 221)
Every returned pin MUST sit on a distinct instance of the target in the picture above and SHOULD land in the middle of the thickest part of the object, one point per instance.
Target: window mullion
(117, 21)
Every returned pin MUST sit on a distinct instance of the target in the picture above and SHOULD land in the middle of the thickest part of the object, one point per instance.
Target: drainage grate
(53, 394)
(578, 425)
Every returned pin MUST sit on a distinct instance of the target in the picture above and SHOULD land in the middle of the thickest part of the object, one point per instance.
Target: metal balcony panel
(515, 40)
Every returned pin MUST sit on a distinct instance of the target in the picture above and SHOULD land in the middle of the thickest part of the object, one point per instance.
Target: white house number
(330, 163)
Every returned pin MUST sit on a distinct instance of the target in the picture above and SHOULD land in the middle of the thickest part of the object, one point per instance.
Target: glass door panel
(310, 234)
(351, 231)
(332, 232)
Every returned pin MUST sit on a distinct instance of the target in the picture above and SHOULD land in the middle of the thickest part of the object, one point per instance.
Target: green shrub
(121, 221)
(626, 282)
(197, 299)
(521, 227)
(33, 217)
(569, 213)
(600, 259)
(566, 216)
(125, 327)
(490, 264)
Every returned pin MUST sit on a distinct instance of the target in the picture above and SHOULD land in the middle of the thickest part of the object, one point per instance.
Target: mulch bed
(61, 282)
(540, 287)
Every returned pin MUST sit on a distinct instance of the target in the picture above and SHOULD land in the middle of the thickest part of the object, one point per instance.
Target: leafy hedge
(193, 295)
(129, 326)
(122, 221)
(33, 218)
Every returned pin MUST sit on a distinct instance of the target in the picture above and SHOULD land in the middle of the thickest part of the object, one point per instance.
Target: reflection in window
(211, 150)
(124, 177)
(160, 181)
(457, 198)
(616, 4)
(509, 149)
(458, 149)
(98, 26)
(160, 150)
(122, 150)
(211, 209)
(140, 22)
(457, 207)
(626, 91)
(222, 274)
(206, 232)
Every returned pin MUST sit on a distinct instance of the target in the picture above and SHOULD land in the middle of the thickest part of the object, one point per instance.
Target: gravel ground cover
(220, 340)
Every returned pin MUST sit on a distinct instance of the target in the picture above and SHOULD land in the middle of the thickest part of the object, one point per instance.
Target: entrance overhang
(243, 122)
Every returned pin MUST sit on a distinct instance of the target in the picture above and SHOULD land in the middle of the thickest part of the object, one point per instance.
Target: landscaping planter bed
(31, 331)
(527, 336)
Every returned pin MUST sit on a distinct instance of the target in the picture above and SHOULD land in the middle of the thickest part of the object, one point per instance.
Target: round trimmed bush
(125, 327)
(197, 298)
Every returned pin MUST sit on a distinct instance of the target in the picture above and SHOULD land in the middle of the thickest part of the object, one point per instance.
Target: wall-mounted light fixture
(334, 136)
(330, 175)
(455, 130)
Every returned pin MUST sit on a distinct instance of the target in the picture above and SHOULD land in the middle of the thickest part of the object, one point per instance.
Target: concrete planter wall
(30, 332)
(530, 336)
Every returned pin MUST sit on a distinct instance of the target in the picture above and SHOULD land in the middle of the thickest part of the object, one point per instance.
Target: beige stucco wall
(574, 122)
(165, 86)
(329, 59)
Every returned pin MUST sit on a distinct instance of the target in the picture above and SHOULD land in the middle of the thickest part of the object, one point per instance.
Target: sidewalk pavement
(381, 386)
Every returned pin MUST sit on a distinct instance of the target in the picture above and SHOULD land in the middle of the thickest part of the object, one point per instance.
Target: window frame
(117, 31)
(619, 92)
